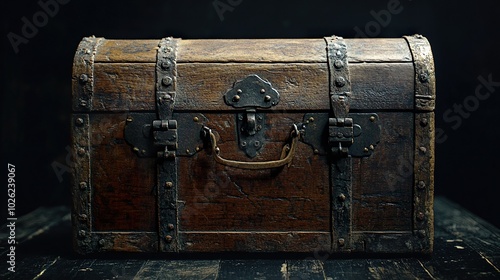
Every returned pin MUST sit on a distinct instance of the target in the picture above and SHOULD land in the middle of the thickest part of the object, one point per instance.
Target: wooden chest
(282, 145)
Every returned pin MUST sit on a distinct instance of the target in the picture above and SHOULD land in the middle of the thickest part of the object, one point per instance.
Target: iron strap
(425, 81)
(340, 132)
(166, 137)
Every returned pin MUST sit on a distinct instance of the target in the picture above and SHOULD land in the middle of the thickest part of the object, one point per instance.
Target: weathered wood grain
(114, 51)
(122, 184)
(255, 50)
(253, 241)
(216, 197)
(123, 87)
(179, 269)
(383, 183)
(251, 269)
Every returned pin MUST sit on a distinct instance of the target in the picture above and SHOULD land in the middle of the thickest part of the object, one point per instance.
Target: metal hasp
(251, 93)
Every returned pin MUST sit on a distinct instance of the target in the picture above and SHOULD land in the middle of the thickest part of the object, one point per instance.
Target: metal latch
(165, 135)
(251, 93)
(340, 135)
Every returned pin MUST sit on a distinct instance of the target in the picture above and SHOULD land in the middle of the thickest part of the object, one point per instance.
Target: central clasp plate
(249, 94)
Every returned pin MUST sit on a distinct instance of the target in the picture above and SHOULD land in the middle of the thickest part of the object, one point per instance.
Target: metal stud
(340, 81)
(130, 119)
(79, 121)
(420, 216)
(421, 185)
(341, 242)
(196, 119)
(373, 119)
(262, 90)
(366, 150)
(236, 98)
(424, 122)
(338, 64)
(342, 197)
(81, 151)
(168, 238)
(84, 78)
(423, 150)
(267, 98)
(82, 185)
(169, 184)
(166, 81)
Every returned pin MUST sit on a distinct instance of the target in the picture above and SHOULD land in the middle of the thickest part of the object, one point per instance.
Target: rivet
(421, 233)
(166, 81)
(197, 149)
(243, 144)
(165, 65)
(424, 77)
(130, 119)
(136, 149)
(342, 197)
(421, 184)
(340, 81)
(316, 151)
(169, 184)
(341, 242)
(81, 233)
(259, 118)
(420, 216)
(236, 98)
(259, 127)
(84, 78)
(188, 151)
(196, 119)
(262, 90)
(267, 98)
(239, 91)
(256, 143)
(82, 217)
(366, 150)
(81, 151)
(102, 242)
(338, 64)
(217, 149)
(83, 185)
(170, 226)
(83, 103)
(79, 121)
(371, 147)
(311, 119)
(423, 149)
(424, 122)
(168, 238)
(373, 119)
(240, 117)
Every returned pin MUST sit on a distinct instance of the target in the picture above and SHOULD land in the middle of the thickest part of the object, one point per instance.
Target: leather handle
(285, 159)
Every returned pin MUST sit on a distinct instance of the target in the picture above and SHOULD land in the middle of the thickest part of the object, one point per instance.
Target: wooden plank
(255, 50)
(127, 51)
(239, 241)
(305, 269)
(34, 224)
(374, 269)
(467, 228)
(126, 241)
(380, 50)
(294, 198)
(252, 269)
(383, 183)
(179, 269)
(201, 86)
(124, 86)
(122, 183)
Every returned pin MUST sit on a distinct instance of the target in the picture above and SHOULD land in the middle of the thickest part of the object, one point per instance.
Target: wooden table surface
(466, 247)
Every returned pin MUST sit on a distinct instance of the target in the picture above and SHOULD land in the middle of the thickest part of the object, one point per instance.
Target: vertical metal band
(167, 165)
(82, 89)
(341, 162)
(81, 185)
(83, 74)
(425, 79)
(425, 95)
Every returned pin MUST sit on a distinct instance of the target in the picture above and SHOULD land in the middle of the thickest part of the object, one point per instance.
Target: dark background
(36, 81)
